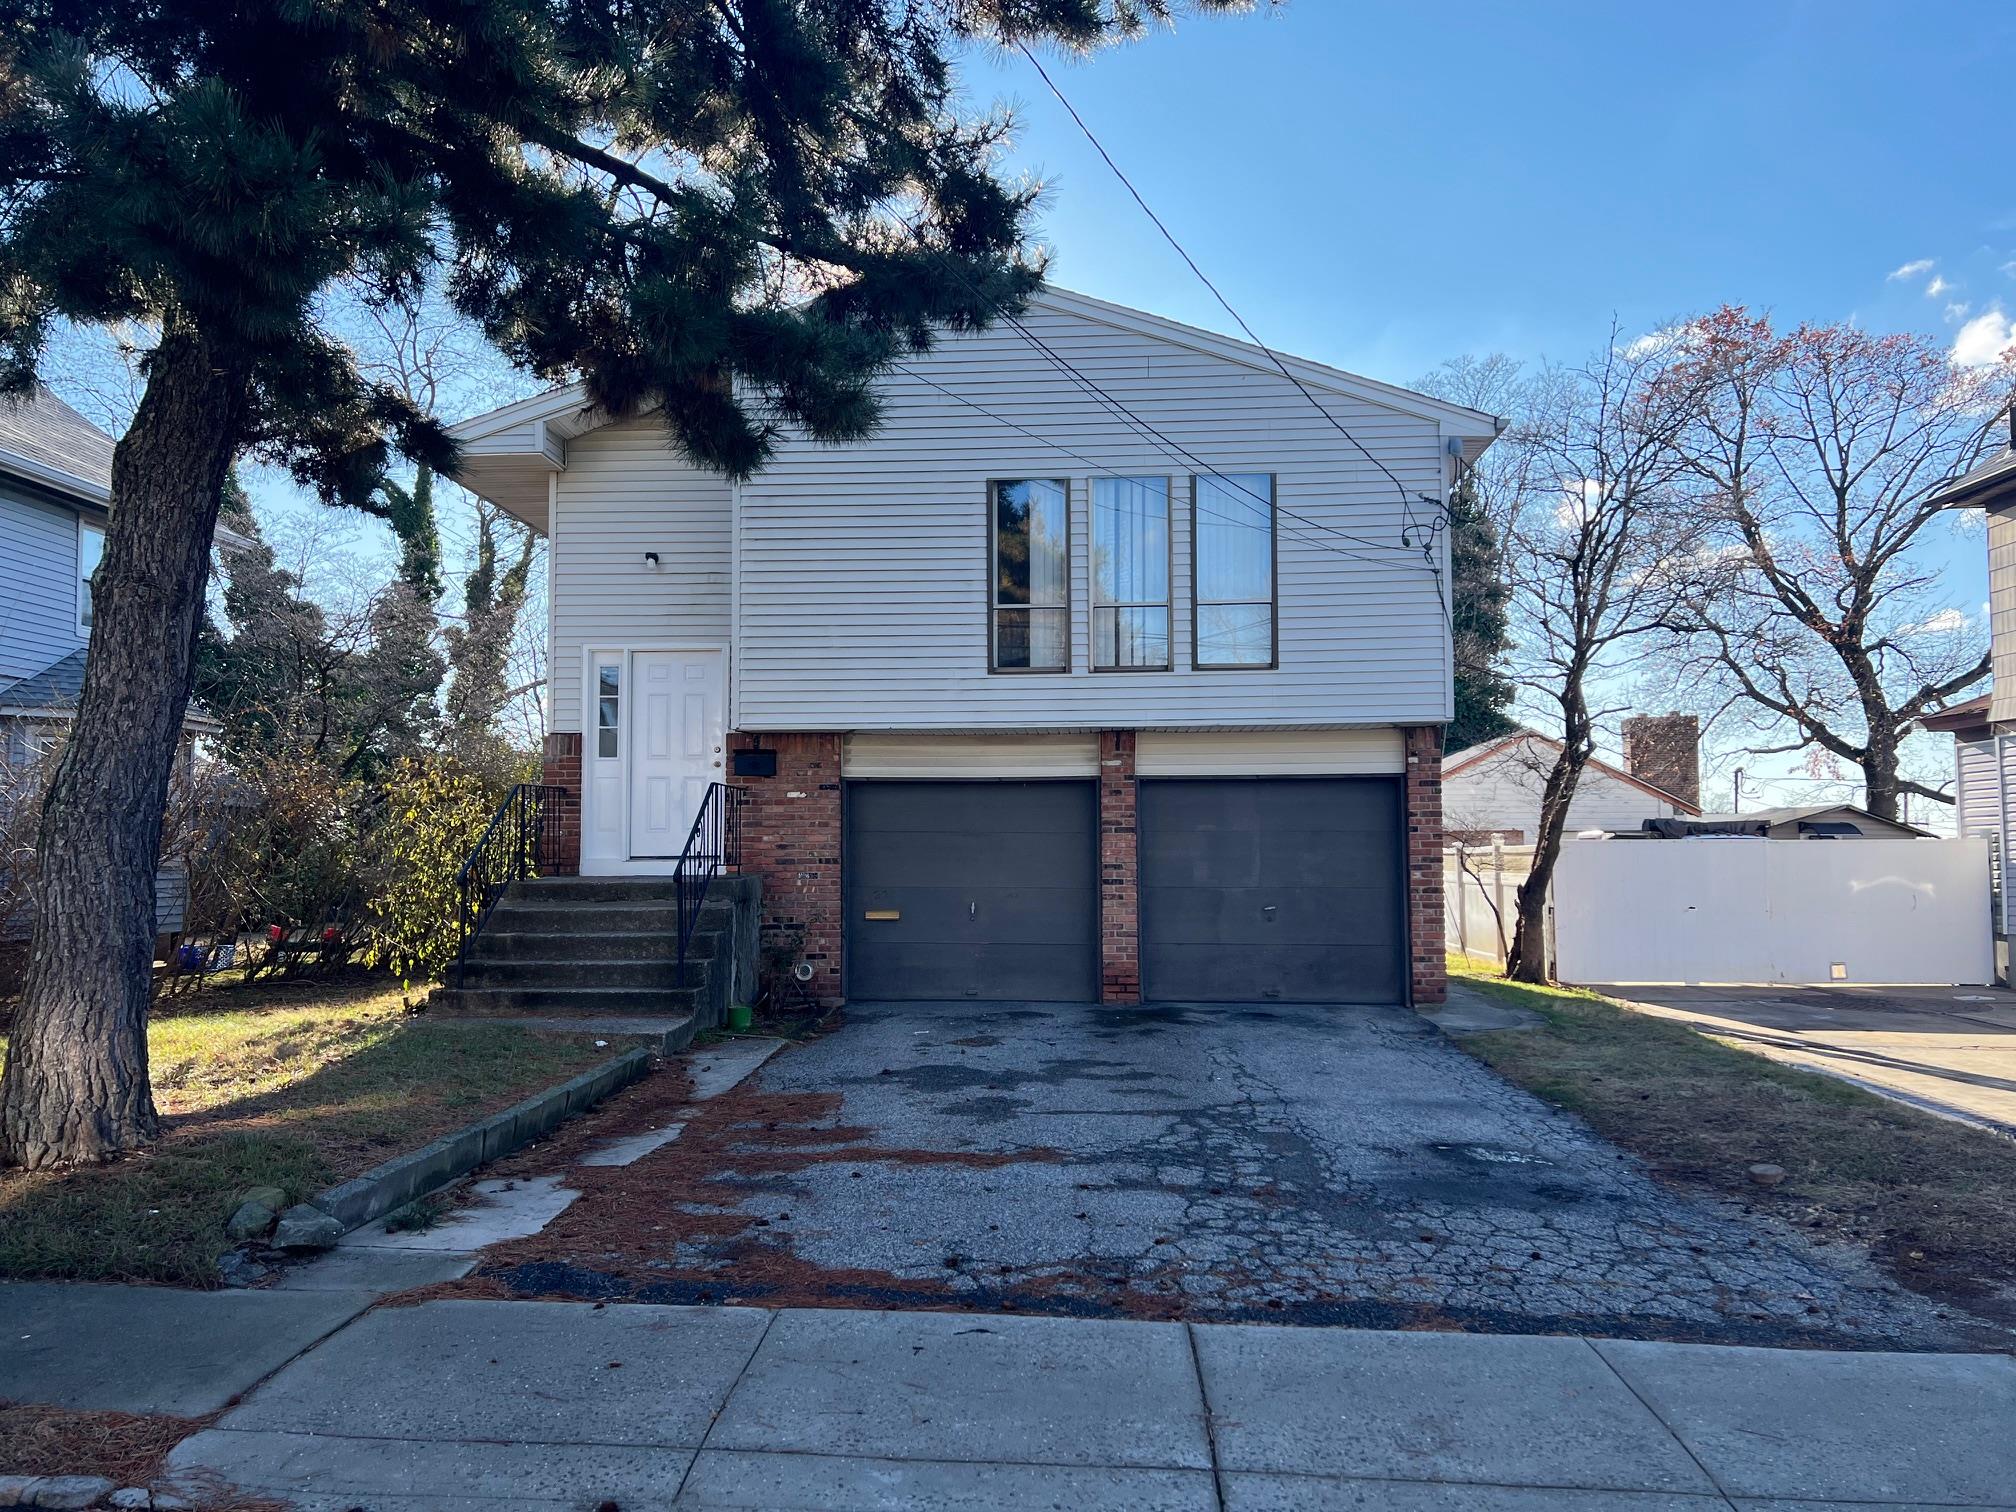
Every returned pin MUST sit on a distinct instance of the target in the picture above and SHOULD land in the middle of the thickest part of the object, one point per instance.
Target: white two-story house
(1113, 666)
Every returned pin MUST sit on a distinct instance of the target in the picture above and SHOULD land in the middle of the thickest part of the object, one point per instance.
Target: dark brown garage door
(1284, 888)
(972, 890)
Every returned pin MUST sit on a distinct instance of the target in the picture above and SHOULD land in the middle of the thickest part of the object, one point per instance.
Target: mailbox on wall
(755, 763)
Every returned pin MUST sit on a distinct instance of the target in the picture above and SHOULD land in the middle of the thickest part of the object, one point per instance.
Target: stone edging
(416, 1173)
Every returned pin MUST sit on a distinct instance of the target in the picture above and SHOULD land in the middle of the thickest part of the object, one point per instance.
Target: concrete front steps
(604, 948)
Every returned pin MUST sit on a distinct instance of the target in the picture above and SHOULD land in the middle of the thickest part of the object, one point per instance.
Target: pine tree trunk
(76, 1087)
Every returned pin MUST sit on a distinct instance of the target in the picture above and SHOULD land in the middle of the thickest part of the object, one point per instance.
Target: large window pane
(1130, 572)
(1234, 532)
(1235, 538)
(1031, 575)
(1235, 635)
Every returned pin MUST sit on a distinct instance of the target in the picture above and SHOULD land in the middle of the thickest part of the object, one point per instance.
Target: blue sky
(1385, 186)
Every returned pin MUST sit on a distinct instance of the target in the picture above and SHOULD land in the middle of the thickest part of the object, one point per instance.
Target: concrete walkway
(1949, 1050)
(470, 1404)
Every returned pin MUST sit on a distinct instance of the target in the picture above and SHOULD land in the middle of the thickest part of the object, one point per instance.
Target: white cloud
(2010, 268)
(1957, 309)
(1912, 269)
(1937, 287)
(1945, 622)
(1982, 341)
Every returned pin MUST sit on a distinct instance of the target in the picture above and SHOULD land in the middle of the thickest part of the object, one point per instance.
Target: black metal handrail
(522, 840)
(714, 841)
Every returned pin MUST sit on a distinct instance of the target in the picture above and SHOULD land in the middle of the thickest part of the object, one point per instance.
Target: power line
(1107, 472)
(1406, 502)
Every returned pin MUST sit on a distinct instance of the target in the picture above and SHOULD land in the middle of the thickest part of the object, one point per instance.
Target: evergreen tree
(479, 649)
(737, 212)
(1477, 599)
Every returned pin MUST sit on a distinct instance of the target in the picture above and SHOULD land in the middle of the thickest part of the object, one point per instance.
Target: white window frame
(85, 529)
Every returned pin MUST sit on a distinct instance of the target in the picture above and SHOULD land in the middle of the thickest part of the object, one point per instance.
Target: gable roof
(1795, 813)
(1477, 755)
(45, 441)
(538, 428)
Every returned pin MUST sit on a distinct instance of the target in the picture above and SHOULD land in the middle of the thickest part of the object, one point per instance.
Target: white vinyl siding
(1501, 794)
(863, 587)
(1983, 773)
(2002, 608)
(1268, 753)
(38, 614)
(984, 756)
(626, 492)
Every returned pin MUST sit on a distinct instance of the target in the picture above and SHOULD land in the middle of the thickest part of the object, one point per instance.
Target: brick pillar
(562, 768)
(791, 839)
(1119, 894)
(1430, 965)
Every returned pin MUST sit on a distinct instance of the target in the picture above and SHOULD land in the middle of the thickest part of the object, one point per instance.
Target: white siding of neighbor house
(625, 492)
(38, 612)
(1501, 795)
(2002, 607)
(862, 571)
(1268, 753)
(1984, 773)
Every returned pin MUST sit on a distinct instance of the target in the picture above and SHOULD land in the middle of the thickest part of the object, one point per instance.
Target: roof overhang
(73, 487)
(510, 454)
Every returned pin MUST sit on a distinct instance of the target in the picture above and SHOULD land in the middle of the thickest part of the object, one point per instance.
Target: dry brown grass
(283, 1084)
(1934, 1200)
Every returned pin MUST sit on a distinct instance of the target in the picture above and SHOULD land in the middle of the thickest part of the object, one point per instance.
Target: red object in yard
(331, 935)
(276, 933)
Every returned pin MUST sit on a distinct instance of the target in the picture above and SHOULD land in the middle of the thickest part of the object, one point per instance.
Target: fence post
(1498, 896)
(1462, 891)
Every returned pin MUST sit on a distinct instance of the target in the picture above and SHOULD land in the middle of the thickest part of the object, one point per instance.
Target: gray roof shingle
(56, 686)
(43, 430)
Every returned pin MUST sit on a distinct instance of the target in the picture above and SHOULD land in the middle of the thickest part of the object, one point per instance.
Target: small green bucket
(740, 1017)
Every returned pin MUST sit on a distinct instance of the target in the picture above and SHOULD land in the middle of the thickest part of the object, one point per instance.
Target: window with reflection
(1130, 574)
(1233, 528)
(608, 708)
(1031, 607)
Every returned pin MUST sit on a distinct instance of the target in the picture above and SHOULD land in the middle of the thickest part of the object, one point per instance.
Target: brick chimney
(1665, 750)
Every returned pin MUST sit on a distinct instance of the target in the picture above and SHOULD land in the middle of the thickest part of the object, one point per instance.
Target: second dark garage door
(983, 890)
(1286, 889)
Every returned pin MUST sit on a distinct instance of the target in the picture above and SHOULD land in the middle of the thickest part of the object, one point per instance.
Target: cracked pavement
(1287, 1164)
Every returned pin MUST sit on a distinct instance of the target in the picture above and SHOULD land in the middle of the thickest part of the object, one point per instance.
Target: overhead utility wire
(1406, 500)
(1106, 472)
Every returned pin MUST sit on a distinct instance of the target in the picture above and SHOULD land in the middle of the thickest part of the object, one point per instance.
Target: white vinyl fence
(1727, 909)
(1480, 896)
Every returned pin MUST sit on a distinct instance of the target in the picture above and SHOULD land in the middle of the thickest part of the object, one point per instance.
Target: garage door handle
(883, 913)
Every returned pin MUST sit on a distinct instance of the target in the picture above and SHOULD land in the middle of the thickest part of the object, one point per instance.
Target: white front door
(675, 747)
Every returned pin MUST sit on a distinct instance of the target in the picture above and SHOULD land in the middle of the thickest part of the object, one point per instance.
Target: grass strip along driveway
(1934, 1200)
(288, 1085)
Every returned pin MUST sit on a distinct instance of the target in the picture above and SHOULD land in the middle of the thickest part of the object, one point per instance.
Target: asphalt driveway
(1284, 1164)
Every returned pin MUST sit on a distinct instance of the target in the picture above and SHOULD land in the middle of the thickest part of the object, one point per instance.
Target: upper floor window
(90, 552)
(1233, 528)
(1130, 574)
(1031, 598)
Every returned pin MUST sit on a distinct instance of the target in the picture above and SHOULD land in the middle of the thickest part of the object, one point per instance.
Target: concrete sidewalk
(469, 1404)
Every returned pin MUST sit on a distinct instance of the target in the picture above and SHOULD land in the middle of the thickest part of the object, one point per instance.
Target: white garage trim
(873, 754)
(1269, 753)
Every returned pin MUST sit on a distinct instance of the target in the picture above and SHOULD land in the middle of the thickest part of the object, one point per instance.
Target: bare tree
(1816, 619)
(1595, 546)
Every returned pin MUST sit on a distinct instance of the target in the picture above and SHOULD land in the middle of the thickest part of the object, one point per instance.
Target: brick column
(1119, 894)
(1430, 965)
(562, 768)
(791, 839)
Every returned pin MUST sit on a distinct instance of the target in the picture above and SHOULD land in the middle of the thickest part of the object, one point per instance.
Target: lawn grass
(1935, 1200)
(290, 1085)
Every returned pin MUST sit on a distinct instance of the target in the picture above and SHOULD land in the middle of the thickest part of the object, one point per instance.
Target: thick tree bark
(1527, 960)
(76, 1087)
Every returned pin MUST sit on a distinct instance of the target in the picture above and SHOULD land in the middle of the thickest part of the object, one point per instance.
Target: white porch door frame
(610, 804)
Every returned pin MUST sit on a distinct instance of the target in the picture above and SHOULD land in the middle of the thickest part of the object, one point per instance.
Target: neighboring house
(1495, 788)
(1813, 821)
(1984, 728)
(1027, 702)
(55, 488)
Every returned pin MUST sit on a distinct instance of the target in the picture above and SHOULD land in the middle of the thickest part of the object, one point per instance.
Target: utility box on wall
(757, 763)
